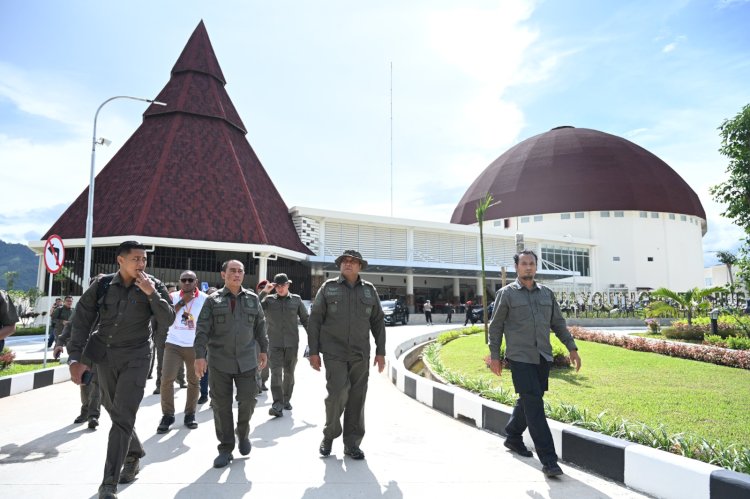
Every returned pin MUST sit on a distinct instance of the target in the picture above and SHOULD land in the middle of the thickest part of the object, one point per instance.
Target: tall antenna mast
(391, 138)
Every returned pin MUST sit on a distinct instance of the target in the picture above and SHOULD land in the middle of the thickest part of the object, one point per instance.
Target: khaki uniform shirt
(341, 318)
(59, 317)
(227, 338)
(8, 312)
(124, 315)
(281, 319)
(525, 317)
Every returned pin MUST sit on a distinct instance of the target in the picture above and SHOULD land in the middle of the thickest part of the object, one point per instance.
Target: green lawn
(24, 368)
(702, 399)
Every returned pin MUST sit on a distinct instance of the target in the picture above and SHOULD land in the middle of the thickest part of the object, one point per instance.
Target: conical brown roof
(188, 171)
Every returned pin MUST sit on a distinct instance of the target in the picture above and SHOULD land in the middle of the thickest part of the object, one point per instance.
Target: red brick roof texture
(577, 169)
(188, 171)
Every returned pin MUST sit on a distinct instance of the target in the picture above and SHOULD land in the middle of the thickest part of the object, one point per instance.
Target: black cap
(352, 254)
(281, 279)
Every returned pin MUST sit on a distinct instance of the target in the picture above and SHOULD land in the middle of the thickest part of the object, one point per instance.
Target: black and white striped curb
(19, 383)
(641, 468)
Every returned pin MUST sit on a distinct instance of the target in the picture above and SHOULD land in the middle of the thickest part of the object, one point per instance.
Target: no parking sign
(54, 254)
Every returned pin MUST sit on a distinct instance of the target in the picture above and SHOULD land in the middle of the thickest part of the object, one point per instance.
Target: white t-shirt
(182, 331)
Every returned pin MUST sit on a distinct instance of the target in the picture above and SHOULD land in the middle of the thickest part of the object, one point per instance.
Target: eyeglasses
(187, 279)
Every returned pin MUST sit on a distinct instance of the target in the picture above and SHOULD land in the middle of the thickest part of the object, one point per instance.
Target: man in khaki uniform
(120, 349)
(230, 323)
(61, 316)
(8, 317)
(282, 310)
(345, 310)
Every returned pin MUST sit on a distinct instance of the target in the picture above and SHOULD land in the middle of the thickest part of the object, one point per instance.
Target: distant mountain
(18, 258)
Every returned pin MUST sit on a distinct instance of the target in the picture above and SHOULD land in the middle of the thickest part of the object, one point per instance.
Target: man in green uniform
(345, 310)
(8, 317)
(91, 401)
(230, 323)
(61, 316)
(525, 312)
(124, 306)
(282, 310)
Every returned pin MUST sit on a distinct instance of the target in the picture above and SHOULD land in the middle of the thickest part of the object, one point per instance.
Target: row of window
(602, 214)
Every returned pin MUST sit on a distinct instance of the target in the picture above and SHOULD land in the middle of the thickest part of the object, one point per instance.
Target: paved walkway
(412, 451)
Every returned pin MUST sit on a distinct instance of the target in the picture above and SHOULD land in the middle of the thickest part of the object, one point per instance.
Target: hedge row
(702, 353)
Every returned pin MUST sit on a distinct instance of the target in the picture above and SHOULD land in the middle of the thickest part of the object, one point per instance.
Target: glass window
(524, 220)
(654, 214)
(650, 259)
(497, 223)
(604, 214)
(538, 218)
(644, 214)
(683, 218)
(619, 214)
(615, 258)
(566, 258)
(564, 216)
(579, 214)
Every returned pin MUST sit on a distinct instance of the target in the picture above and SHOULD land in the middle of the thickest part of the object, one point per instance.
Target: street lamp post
(90, 215)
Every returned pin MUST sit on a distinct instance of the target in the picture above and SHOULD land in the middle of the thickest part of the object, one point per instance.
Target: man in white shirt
(188, 302)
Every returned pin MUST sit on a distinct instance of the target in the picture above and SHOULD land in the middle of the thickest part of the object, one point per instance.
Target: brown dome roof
(577, 169)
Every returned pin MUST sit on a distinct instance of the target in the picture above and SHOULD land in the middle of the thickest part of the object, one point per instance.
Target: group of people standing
(229, 335)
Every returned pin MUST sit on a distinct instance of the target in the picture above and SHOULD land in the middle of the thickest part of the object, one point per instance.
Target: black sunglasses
(187, 279)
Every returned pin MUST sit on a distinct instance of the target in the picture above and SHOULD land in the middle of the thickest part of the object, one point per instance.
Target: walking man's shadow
(356, 474)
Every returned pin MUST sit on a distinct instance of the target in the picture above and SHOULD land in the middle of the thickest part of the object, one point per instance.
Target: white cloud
(669, 47)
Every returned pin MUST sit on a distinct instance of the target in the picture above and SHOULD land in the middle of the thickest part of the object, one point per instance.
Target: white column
(456, 290)
(410, 292)
(480, 290)
(262, 267)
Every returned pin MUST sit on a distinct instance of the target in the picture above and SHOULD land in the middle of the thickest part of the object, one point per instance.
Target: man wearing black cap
(124, 304)
(344, 311)
(282, 310)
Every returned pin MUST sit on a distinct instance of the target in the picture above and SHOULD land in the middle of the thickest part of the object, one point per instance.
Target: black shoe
(288, 406)
(518, 447)
(190, 421)
(80, 419)
(223, 459)
(182, 384)
(157, 391)
(203, 399)
(166, 422)
(551, 470)
(354, 453)
(275, 412)
(264, 387)
(325, 447)
(244, 445)
(130, 469)
(93, 422)
(107, 491)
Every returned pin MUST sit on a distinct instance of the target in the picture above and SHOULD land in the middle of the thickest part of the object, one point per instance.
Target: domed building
(625, 218)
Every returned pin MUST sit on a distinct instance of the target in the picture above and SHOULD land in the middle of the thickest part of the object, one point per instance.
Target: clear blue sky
(311, 81)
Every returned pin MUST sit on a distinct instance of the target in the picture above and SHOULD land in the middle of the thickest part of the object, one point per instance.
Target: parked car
(395, 311)
(476, 313)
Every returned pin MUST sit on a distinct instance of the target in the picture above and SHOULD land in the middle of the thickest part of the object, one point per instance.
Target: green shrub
(680, 330)
(28, 331)
(727, 325)
(738, 343)
(715, 340)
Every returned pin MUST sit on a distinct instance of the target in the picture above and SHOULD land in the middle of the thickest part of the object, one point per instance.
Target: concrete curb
(18, 383)
(641, 468)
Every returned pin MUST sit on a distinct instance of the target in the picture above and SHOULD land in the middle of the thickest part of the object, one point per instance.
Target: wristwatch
(71, 362)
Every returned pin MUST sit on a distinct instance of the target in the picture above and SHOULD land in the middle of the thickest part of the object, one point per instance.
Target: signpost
(54, 258)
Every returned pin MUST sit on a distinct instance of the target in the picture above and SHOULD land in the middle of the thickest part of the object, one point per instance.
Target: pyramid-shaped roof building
(191, 153)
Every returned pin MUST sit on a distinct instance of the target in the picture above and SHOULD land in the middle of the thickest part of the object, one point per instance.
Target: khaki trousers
(174, 358)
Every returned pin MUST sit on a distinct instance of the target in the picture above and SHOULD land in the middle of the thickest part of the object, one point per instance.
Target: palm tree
(482, 205)
(690, 300)
(729, 259)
